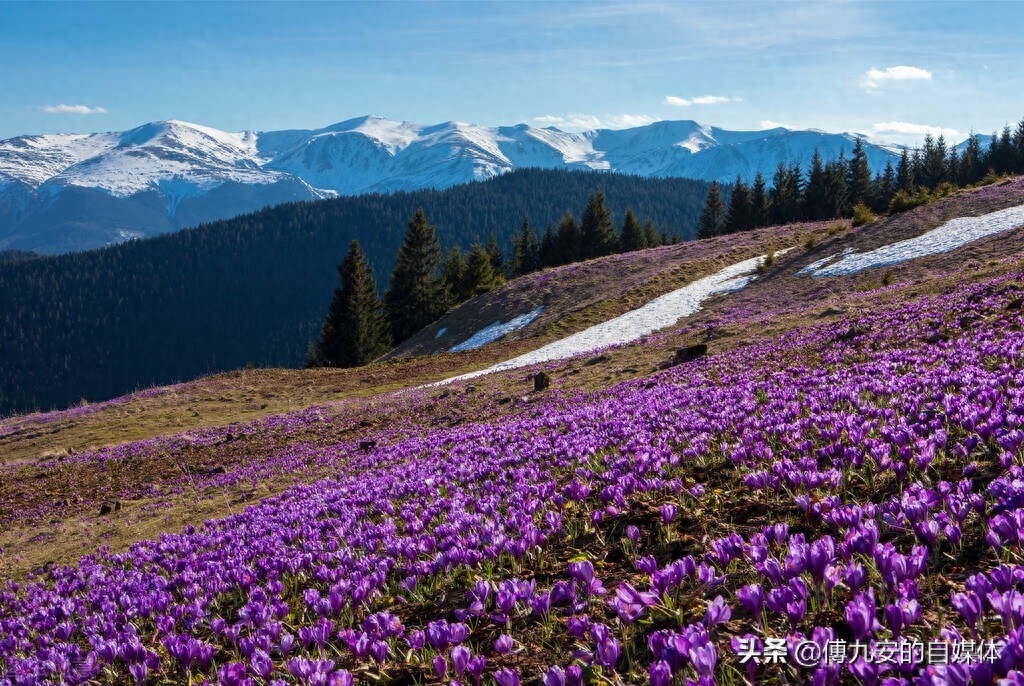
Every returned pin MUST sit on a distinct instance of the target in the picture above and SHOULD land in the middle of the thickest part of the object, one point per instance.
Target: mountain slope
(67, 192)
(255, 289)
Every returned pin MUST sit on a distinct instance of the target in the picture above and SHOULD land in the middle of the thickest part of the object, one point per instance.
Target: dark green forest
(255, 289)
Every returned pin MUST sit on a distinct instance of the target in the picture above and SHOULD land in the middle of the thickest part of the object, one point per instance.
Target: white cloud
(904, 128)
(676, 101)
(577, 121)
(74, 109)
(770, 124)
(875, 78)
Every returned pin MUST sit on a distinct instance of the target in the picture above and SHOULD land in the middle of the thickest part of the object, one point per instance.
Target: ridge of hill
(254, 290)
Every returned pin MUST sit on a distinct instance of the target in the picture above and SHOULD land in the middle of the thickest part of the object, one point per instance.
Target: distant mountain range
(66, 192)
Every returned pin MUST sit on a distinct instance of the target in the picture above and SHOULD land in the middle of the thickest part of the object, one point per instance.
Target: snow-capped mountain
(65, 192)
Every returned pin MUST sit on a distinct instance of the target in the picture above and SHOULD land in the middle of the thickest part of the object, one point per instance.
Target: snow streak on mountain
(64, 192)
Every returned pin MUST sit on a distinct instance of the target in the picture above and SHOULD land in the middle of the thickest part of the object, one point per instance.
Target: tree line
(360, 326)
(846, 187)
(254, 289)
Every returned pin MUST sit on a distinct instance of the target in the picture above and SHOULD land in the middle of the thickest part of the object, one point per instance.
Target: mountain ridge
(167, 175)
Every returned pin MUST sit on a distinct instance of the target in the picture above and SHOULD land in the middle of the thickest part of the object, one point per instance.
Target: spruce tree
(355, 331)
(417, 295)
(972, 162)
(1018, 147)
(884, 189)
(633, 236)
(597, 232)
(651, 237)
(453, 274)
(525, 250)
(567, 243)
(549, 248)
(905, 173)
(712, 219)
(481, 276)
(739, 208)
(859, 179)
(760, 205)
(816, 194)
(494, 251)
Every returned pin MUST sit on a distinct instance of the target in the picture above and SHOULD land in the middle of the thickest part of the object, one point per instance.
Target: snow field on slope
(661, 312)
(953, 234)
(495, 331)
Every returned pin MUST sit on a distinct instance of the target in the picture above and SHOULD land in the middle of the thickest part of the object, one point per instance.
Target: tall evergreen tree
(633, 236)
(497, 257)
(837, 198)
(1018, 148)
(568, 241)
(453, 274)
(481, 276)
(550, 254)
(651, 237)
(905, 173)
(972, 161)
(712, 219)
(597, 232)
(884, 189)
(417, 296)
(525, 250)
(785, 194)
(355, 331)
(816, 194)
(740, 208)
(859, 179)
(760, 205)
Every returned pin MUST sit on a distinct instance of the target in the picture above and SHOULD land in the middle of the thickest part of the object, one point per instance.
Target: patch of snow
(440, 332)
(661, 312)
(495, 331)
(950, 236)
(817, 264)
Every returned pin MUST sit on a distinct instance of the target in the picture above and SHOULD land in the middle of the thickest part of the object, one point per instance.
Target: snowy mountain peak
(176, 173)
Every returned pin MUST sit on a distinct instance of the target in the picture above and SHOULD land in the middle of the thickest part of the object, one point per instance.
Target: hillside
(68, 192)
(254, 290)
(845, 461)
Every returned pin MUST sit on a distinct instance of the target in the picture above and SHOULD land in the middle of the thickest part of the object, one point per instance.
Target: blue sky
(889, 70)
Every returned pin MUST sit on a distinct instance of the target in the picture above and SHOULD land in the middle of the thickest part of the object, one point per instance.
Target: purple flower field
(844, 504)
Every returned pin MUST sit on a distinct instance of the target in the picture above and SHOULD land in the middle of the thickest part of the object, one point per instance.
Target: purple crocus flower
(460, 659)
(668, 512)
(504, 644)
(607, 647)
(660, 673)
(718, 612)
(506, 677)
(555, 676)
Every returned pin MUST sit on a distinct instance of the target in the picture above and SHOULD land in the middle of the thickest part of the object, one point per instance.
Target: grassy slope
(30, 446)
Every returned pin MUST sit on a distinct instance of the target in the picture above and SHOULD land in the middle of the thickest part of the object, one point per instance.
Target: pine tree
(453, 274)
(712, 219)
(549, 252)
(905, 173)
(740, 208)
(816, 195)
(760, 206)
(568, 248)
(497, 257)
(633, 236)
(837, 198)
(859, 179)
(597, 232)
(785, 194)
(355, 331)
(525, 250)
(884, 189)
(651, 237)
(1018, 147)
(481, 276)
(972, 162)
(417, 295)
